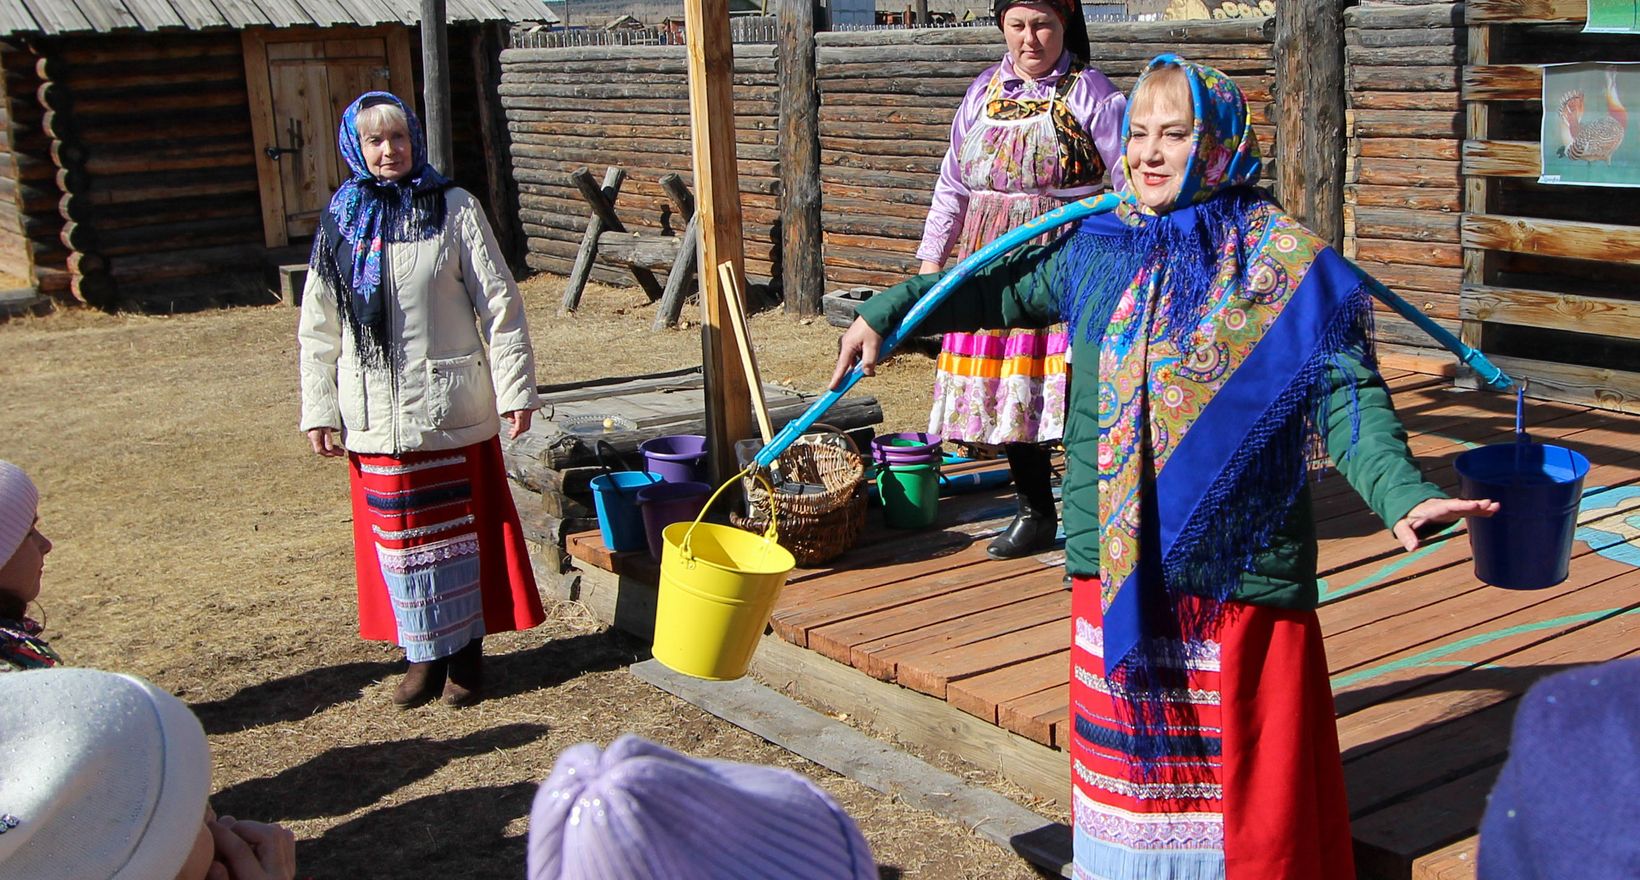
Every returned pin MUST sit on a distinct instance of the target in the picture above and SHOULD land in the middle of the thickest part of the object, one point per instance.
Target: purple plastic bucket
(1527, 544)
(906, 449)
(679, 458)
(663, 504)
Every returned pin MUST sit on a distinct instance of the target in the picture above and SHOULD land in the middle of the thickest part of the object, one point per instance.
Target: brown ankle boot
(465, 685)
(422, 682)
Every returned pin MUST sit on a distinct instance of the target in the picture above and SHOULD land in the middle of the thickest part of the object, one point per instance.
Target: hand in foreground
(1438, 511)
(859, 343)
(252, 851)
(325, 442)
(518, 422)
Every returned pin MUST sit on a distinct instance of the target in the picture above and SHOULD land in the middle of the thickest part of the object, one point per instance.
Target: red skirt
(429, 491)
(1260, 794)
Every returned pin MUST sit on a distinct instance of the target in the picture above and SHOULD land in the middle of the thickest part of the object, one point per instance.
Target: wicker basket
(819, 524)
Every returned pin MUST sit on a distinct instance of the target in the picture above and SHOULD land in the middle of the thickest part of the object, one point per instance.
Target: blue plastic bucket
(663, 504)
(1527, 544)
(678, 458)
(615, 498)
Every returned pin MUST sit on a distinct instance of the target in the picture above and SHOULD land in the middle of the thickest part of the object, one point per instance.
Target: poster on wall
(1587, 137)
(1613, 17)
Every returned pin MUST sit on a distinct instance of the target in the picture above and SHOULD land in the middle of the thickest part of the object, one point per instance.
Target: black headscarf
(1069, 11)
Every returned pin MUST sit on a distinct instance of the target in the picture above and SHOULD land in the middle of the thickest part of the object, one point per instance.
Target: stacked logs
(29, 234)
(887, 99)
(628, 107)
(1403, 194)
(159, 188)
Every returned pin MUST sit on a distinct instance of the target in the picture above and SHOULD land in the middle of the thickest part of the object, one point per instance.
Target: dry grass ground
(200, 545)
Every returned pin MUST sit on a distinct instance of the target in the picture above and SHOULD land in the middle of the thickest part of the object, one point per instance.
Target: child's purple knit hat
(640, 811)
(19, 501)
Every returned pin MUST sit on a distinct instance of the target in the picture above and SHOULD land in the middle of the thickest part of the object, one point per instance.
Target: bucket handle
(770, 534)
(598, 451)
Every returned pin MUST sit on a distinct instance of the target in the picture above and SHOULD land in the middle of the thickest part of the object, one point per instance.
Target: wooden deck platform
(930, 641)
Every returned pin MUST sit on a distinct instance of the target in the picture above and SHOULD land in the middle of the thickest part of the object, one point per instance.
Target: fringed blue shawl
(366, 214)
(1217, 325)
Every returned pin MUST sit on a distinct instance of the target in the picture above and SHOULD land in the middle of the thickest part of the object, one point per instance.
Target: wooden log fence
(567, 108)
(884, 128)
(1548, 272)
(1402, 192)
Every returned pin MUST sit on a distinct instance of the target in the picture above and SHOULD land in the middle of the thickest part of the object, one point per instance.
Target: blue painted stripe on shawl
(1193, 745)
(418, 498)
(1210, 444)
(1101, 858)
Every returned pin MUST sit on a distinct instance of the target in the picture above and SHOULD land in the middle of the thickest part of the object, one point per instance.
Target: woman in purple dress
(1039, 129)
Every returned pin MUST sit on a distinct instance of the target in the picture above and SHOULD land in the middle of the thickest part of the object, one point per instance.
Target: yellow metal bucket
(718, 587)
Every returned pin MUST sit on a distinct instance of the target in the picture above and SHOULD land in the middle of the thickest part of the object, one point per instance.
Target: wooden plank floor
(1427, 663)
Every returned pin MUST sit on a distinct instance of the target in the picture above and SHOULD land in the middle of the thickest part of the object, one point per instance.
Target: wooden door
(300, 81)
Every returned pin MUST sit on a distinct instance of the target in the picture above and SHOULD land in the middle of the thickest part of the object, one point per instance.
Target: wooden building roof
(54, 17)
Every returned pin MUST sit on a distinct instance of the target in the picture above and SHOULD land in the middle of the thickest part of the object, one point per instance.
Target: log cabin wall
(29, 225)
(886, 103)
(1551, 277)
(1403, 191)
(593, 107)
(135, 174)
(152, 136)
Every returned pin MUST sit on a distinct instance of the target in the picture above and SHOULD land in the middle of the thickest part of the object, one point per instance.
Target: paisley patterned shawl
(364, 215)
(1217, 324)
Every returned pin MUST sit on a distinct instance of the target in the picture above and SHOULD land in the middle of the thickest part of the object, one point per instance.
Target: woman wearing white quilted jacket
(414, 349)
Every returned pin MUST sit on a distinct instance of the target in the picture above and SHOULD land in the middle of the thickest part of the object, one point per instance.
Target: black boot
(466, 684)
(422, 682)
(1037, 524)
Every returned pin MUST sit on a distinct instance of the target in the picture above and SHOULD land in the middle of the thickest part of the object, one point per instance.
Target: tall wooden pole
(717, 212)
(435, 85)
(1309, 62)
(802, 274)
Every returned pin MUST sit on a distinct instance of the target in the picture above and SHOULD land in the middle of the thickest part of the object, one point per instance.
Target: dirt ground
(199, 544)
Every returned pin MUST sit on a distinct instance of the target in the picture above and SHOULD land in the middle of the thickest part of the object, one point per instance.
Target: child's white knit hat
(103, 777)
(19, 501)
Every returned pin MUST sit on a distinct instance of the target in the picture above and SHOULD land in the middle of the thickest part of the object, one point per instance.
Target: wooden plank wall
(885, 126)
(28, 229)
(1551, 281)
(1403, 190)
(593, 107)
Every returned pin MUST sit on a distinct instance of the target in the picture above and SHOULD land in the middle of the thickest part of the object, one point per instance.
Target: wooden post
(488, 42)
(680, 282)
(435, 85)
(802, 273)
(596, 224)
(920, 8)
(1309, 63)
(717, 211)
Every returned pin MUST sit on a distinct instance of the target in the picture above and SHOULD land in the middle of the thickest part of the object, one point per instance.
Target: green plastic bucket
(911, 495)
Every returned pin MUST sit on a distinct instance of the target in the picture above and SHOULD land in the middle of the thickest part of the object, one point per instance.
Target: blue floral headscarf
(367, 213)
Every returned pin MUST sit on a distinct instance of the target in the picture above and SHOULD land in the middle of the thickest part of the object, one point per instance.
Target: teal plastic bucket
(615, 498)
(1527, 544)
(911, 495)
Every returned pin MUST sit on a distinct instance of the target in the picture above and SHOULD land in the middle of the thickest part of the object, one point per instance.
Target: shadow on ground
(455, 834)
(348, 778)
(291, 698)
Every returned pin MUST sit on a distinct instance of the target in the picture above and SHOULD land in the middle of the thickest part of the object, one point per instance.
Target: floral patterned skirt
(1000, 386)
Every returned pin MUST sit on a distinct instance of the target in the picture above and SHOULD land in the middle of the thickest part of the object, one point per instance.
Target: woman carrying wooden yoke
(1217, 341)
